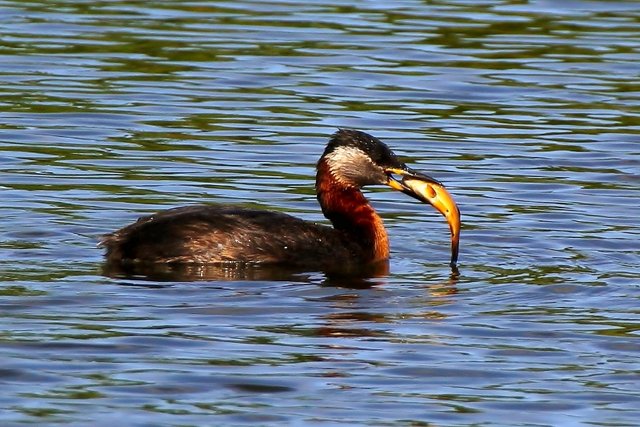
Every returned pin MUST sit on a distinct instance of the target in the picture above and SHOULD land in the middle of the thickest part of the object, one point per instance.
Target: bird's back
(209, 234)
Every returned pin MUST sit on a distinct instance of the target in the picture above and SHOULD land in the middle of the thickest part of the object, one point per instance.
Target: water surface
(528, 111)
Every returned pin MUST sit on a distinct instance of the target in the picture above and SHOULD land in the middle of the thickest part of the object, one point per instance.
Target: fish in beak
(429, 190)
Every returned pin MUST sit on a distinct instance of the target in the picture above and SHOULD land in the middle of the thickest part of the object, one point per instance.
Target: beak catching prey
(430, 190)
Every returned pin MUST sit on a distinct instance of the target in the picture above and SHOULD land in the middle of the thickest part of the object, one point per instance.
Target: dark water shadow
(355, 277)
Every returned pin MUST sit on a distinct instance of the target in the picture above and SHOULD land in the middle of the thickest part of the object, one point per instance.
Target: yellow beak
(429, 190)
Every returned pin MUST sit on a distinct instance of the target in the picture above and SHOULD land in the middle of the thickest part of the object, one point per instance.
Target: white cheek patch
(343, 157)
(351, 166)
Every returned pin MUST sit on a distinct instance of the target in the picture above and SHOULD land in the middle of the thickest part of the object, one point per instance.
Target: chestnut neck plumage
(350, 213)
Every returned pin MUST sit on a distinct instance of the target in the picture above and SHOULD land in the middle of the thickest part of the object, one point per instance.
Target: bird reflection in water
(353, 317)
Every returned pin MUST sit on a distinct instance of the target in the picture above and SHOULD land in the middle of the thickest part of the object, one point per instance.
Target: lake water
(529, 112)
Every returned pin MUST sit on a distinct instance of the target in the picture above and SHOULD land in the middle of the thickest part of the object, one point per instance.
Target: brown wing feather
(216, 234)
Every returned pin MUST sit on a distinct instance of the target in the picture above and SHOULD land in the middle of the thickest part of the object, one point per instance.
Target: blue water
(527, 111)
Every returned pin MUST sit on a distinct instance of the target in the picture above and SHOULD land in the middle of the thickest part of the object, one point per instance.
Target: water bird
(219, 234)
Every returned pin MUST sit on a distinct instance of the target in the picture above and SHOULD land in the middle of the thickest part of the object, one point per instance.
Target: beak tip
(455, 273)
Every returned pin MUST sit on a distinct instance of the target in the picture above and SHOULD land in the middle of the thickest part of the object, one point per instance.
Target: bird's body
(210, 234)
(215, 234)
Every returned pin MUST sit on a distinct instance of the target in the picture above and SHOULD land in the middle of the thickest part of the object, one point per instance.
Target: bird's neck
(350, 212)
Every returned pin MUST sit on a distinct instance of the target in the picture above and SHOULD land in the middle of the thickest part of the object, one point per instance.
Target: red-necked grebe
(210, 234)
